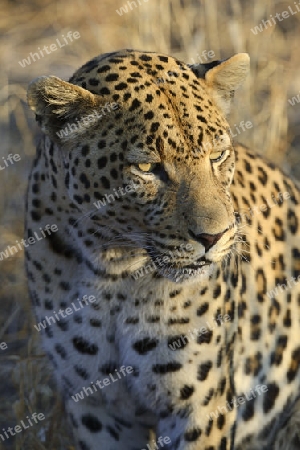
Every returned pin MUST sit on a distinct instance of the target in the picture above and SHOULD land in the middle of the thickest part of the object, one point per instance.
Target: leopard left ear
(58, 104)
(223, 78)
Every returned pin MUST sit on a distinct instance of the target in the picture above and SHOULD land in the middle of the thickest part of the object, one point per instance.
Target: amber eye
(146, 167)
(216, 156)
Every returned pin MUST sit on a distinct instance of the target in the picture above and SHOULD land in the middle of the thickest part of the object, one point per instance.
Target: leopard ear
(224, 77)
(59, 105)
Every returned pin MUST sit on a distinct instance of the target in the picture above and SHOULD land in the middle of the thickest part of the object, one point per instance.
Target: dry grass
(183, 28)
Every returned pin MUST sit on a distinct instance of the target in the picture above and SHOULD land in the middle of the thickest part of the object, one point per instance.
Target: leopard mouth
(177, 272)
(185, 272)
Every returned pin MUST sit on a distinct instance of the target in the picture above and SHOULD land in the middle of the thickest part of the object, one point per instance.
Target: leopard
(165, 280)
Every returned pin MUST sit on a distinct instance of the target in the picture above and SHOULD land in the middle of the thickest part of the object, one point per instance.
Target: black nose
(207, 240)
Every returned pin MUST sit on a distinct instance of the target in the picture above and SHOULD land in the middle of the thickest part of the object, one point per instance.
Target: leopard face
(178, 159)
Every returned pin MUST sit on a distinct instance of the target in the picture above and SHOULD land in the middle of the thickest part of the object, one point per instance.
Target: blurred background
(187, 29)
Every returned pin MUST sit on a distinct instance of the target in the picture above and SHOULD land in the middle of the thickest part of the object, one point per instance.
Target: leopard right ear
(58, 103)
(223, 78)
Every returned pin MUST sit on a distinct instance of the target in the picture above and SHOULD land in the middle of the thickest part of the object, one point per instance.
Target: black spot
(203, 370)
(145, 58)
(112, 77)
(262, 176)
(154, 127)
(95, 323)
(180, 320)
(108, 368)
(145, 345)
(149, 98)
(217, 291)
(81, 372)
(85, 150)
(186, 392)
(292, 221)
(113, 433)
(104, 91)
(65, 285)
(91, 423)
(202, 309)
(222, 385)
(221, 421)
(192, 435)
(248, 411)
(294, 366)
(204, 338)
(64, 326)
(121, 86)
(84, 180)
(35, 216)
(61, 351)
(270, 397)
(135, 104)
(162, 369)
(101, 145)
(83, 446)
(84, 347)
(105, 182)
(149, 115)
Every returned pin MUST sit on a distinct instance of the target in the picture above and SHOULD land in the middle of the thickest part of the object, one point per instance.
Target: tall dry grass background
(182, 28)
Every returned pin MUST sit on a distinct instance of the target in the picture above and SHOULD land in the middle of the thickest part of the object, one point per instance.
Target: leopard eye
(216, 156)
(146, 167)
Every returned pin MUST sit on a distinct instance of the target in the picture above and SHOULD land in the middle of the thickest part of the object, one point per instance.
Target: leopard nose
(207, 240)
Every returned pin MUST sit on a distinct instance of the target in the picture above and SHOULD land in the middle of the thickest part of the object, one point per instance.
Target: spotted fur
(169, 138)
